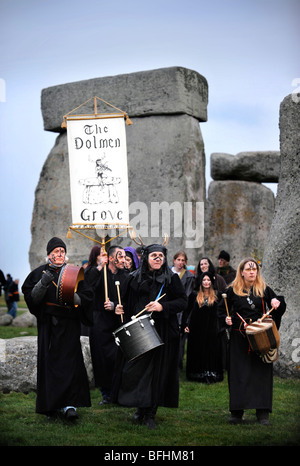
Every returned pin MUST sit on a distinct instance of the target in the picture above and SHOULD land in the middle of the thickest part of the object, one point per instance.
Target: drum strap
(243, 333)
(157, 297)
(58, 305)
(182, 273)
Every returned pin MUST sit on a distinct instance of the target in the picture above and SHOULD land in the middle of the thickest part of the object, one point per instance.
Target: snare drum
(263, 336)
(137, 337)
(69, 277)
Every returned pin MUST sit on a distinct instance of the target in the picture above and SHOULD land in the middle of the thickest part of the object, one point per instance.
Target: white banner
(98, 171)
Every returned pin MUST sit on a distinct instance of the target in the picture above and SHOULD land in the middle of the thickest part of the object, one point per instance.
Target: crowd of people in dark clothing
(188, 307)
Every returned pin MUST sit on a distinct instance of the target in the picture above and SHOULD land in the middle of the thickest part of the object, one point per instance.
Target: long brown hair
(238, 283)
(212, 297)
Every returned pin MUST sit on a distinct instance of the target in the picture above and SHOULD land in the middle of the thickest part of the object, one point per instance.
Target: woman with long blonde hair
(204, 350)
(241, 287)
(250, 379)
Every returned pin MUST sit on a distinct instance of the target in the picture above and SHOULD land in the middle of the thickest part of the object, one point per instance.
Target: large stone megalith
(238, 218)
(239, 208)
(166, 160)
(281, 262)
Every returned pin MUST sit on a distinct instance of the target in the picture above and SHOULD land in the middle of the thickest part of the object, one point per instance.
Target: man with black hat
(62, 382)
(224, 269)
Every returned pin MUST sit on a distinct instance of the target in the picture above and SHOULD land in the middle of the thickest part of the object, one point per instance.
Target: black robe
(61, 374)
(250, 380)
(152, 379)
(102, 342)
(204, 348)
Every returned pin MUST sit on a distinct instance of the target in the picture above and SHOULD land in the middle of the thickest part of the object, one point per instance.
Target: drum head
(258, 327)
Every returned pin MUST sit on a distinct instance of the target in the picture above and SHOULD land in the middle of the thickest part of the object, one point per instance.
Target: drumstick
(224, 296)
(265, 315)
(134, 317)
(119, 297)
(56, 284)
(246, 325)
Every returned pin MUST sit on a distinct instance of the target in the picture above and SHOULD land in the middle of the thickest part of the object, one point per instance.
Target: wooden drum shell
(263, 336)
(67, 284)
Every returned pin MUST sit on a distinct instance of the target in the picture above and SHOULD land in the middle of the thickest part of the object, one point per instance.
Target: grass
(200, 420)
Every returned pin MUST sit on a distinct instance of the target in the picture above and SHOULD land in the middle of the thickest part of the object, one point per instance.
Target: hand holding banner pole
(105, 273)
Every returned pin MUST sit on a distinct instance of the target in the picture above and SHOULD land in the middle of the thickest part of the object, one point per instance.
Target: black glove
(47, 278)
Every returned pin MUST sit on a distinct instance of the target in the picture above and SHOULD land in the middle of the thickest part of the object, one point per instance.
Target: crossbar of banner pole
(87, 116)
(106, 227)
(96, 115)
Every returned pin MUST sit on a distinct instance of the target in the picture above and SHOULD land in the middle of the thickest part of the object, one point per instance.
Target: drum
(263, 336)
(69, 277)
(137, 337)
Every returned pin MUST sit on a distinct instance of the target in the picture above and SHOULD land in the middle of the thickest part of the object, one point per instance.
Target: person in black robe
(102, 342)
(206, 265)
(224, 269)
(187, 279)
(151, 379)
(204, 349)
(62, 382)
(250, 379)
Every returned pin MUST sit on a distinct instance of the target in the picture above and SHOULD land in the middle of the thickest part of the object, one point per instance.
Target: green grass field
(200, 420)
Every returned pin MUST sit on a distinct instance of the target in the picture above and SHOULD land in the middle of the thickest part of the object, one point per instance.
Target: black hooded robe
(61, 374)
(152, 379)
(250, 380)
(204, 347)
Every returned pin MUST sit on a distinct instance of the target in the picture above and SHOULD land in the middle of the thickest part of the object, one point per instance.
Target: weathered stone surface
(166, 91)
(26, 319)
(281, 262)
(18, 359)
(238, 219)
(263, 167)
(5, 319)
(18, 363)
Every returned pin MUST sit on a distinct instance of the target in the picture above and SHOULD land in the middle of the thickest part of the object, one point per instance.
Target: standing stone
(166, 160)
(238, 219)
(281, 262)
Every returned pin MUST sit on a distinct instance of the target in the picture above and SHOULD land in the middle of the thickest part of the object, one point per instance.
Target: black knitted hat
(55, 243)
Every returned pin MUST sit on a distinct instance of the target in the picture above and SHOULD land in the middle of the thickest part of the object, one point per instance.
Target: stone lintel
(259, 166)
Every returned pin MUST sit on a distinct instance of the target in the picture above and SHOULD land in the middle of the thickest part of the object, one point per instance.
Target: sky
(248, 50)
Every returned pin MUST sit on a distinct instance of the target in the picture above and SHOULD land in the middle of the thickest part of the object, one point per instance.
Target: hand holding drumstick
(119, 310)
(153, 306)
(228, 319)
(119, 298)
